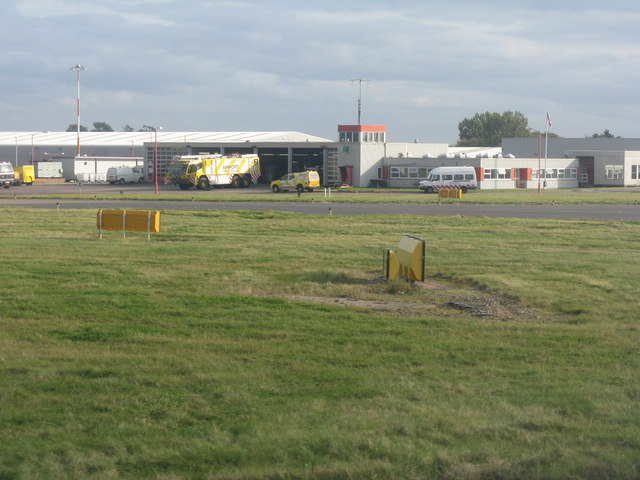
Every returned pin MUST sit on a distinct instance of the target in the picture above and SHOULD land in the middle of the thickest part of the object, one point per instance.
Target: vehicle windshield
(177, 168)
(194, 167)
(5, 168)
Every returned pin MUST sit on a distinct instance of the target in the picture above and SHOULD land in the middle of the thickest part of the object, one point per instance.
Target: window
(398, 172)
(501, 173)
(613, 172)
(458, 177)
(468, 176)
(634, 172)
(423, 172)
(447, 177)
(413, 172)
(194, 167)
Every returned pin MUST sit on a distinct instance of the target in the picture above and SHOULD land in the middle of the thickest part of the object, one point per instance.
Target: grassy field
(603, 196)
(263, 345)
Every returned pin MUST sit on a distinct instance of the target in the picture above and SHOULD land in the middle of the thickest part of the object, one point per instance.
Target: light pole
(78, 68)
(32, 146)
(155, 158)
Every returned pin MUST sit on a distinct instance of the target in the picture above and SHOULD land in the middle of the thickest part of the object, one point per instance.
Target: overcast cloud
(287, 65)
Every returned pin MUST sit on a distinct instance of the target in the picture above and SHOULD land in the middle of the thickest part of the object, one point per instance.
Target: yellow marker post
(407, 260)
(129, 220)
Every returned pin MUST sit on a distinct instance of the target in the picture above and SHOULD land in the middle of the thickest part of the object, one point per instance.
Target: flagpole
(546, 143)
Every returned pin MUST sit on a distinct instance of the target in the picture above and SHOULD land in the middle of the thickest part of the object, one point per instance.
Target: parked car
(307, 180)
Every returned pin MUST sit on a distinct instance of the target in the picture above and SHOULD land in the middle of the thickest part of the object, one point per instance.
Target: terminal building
(360, 155)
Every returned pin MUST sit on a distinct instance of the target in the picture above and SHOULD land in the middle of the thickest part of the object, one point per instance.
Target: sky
(285, 65)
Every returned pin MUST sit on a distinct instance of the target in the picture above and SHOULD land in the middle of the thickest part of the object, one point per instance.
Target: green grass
(600, 196)
(187, 356)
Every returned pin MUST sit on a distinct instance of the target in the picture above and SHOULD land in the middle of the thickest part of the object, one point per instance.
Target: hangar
(280, 152)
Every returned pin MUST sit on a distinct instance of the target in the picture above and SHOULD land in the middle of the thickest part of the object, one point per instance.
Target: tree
(605, 134)
(101, 127)
(127, 128)
(488, 129)
(74, 128)
(147, 128)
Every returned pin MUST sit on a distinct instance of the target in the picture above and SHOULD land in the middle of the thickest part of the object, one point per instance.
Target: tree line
(482, 130)
(105, 127)
(489, 128)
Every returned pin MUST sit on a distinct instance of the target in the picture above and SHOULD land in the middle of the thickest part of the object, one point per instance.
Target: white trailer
(94, 169)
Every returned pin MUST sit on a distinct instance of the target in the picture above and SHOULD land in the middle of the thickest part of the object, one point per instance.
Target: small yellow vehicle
(23, 175)
(301, 181)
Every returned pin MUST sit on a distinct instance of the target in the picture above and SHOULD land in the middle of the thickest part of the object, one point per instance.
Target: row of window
(489, 173)
(556, 173)
(407, 172)
(635, 172)
(354, 137)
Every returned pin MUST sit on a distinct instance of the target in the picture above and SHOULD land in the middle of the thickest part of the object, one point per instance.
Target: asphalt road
(15, 196)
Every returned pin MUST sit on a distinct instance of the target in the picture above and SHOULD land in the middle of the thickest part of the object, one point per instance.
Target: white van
(462, 178)
(125, 174)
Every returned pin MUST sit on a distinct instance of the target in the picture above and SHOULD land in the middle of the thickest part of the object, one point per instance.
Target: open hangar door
(307, 158)
(274, 162)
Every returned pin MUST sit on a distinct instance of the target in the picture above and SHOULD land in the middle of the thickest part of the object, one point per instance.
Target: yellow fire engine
(205, 171)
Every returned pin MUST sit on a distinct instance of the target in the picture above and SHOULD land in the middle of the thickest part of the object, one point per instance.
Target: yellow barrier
(450, 193)
(407, 261)
(129, 220)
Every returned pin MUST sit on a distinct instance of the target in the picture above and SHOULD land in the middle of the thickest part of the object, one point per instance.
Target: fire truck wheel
(236, 182)
(275, 189)
(203, 183)
(246, 181)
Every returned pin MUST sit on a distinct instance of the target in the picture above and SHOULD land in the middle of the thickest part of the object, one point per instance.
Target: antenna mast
(359, 80)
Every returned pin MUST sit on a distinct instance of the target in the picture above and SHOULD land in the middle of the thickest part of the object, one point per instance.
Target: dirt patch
(487, 307)
(444, 302)
(365, 304)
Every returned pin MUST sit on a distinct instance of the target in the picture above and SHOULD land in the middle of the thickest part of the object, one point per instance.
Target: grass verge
(189, 356)
(501, 197)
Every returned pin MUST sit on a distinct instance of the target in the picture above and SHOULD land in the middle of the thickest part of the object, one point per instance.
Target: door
(585, 171)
